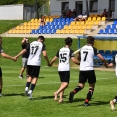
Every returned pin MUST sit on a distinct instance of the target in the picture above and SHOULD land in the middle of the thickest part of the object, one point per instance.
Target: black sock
(89, 94)
(28, 84)
(77, 89)
(32, 87)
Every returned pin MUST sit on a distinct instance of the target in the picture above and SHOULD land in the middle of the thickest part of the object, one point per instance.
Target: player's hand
(14, 59)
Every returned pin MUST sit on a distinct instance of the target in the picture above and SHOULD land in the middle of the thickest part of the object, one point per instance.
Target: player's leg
(63, 86)
(64, 78)
(1, 82)
(22, 69)
(89, 94)
(82, 80)
(61, 96)
(35, 74)
(91, 80)
(112, 103)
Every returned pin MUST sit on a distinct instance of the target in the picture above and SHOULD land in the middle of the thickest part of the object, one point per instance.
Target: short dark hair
(68, 40)
(41, 37)
(90, 39)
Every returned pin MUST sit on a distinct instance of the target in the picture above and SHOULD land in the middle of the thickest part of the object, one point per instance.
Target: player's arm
(53, 60)
(102, 59)
(8, 56)
(23, 41)
(75, 61)
(22, 52)
(46, 57)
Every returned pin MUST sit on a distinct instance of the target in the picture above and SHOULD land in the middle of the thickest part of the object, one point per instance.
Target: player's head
(0, 40)
(90, 40)
(27, 41)
(68, 41)
(41, 38)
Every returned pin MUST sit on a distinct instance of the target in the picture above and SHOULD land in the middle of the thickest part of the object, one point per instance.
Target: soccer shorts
(87, 75)
(0, 72)
(33, 71)
(24, 62)
(64, 76)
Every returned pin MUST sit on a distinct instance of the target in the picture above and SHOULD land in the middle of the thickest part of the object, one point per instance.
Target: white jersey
(87, 53)
(1, 50)
(35, 49)
(64, 55)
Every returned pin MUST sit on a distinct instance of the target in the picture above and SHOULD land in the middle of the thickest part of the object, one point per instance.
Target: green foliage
(32, 2)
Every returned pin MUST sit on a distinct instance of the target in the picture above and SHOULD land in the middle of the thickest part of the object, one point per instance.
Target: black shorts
(64, 76)
(0, 72)
(33, 71)
(87, 75)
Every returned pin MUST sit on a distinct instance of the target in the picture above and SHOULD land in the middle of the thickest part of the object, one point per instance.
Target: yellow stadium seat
(10, 32)
(32, 20)
(73, 23)
(58, 31)
(66, 27)
(51, 19)
(25, 23)
(89, 27)
(89, 18)
(62, 31)
(94, 19)
(70, 27)
(98, 18)
(67, 31)
(91, 22)
(77, 31)
(71, 31)
(17, 28)
(81, 32)
(77, 23)
(96, 22)
(83, 27)
(79, 27)
(103, 18)
(82, 23)
(47, 20)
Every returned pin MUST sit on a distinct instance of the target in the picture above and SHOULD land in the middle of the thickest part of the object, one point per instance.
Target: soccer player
(34, 62)
(64, 55)
(113, 63)
(5, 56)
(87, 72)
(24, 44)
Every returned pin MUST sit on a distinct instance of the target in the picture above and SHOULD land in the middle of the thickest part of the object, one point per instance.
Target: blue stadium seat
(37, 31)
(111, 31)
(100, 31)
(56, 26)
(44, 31)
(107, 52)
(67, 19)
(115, 22)
(61, 27)
(48, 31)
(113, 26)
(40, 31)
(114, 52)
(53, 31)
(105, 31)
(108, 27)
(101, 51)
(115, 32)
(33, 32)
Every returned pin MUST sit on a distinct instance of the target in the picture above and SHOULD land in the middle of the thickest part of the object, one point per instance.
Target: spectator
(79, 17)
(69, 14)
(109, 13)
(104, 14)
(42, 21)
(84, 18)
(64, 14)
(74, 13)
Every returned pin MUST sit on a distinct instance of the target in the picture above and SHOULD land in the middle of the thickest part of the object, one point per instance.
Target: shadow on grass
(46, 97)
(14, 94)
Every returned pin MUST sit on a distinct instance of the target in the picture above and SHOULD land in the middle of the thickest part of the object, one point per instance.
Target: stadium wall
(56, 6)
(17, 12)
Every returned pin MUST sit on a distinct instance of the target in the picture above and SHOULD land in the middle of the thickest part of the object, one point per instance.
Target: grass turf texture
(15, 104)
